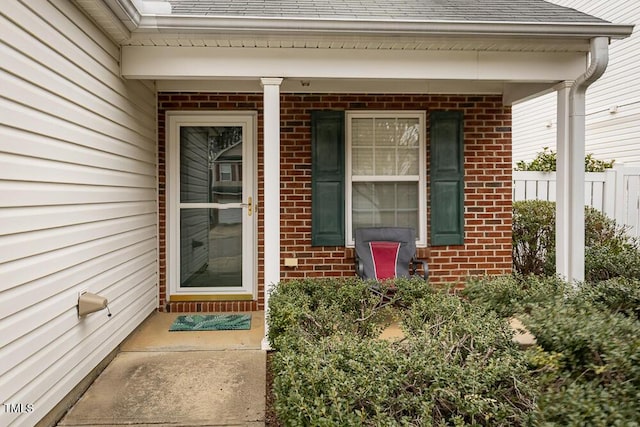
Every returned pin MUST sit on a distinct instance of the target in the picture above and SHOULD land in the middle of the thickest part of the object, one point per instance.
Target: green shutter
(327, 178)
(447, 178)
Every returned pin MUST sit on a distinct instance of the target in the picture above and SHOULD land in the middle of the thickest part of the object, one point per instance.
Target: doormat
(211, 322)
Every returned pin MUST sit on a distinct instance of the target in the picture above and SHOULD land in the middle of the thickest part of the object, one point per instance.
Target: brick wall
(487, 151)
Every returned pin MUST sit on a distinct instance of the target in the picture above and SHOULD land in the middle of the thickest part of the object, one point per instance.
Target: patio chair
(387, 252)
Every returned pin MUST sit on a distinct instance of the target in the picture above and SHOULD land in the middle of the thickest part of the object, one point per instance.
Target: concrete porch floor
(162, 378)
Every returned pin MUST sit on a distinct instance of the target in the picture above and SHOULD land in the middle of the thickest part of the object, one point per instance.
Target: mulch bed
(270, 418)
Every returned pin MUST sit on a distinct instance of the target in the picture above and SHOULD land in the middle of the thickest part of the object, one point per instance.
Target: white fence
(615, 192)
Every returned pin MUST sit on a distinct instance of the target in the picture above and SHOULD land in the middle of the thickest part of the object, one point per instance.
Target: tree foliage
(545, 161)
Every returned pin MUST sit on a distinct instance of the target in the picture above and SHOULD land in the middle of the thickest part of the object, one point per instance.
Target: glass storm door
(211, 204)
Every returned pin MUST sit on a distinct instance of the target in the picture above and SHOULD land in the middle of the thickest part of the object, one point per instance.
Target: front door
(211, 206)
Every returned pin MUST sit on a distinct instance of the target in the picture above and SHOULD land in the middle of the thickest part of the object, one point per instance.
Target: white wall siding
(78, 202)
(609, 135)
(534, 127)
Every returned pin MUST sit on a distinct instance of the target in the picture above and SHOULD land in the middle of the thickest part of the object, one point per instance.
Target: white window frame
(421, 178)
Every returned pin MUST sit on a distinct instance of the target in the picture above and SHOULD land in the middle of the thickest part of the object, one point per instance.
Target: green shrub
(593, 344)
(308, 309)
(575, 403)
(456, 366)
(596, 355)
(513, 294)
(587, 360)
(605, 261)
(609, 251)
(545, 161)
(337, 380)
(534, 238)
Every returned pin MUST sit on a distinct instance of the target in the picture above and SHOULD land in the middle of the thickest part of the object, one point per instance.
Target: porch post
(562, 182)
(271, 180)
(575, 191)
(598, 60)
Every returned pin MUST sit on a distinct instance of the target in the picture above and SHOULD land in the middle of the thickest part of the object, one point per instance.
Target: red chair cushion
(385, 258)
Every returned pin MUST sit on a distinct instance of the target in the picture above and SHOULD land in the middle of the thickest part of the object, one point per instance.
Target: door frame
(248, 120)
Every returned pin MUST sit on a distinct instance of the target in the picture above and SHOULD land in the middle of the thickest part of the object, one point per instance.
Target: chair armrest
(425, 267)
(359, 267)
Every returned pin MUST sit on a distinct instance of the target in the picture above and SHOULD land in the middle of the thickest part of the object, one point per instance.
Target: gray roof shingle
(536, 11)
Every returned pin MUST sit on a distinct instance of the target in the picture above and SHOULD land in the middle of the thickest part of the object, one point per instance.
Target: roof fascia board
(278, 25)
(103, 14)
(160, 62)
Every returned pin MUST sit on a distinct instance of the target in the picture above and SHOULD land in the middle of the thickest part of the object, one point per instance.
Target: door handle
(248, 205)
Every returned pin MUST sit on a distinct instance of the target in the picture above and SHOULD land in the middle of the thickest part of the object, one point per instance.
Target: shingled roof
(536, 11)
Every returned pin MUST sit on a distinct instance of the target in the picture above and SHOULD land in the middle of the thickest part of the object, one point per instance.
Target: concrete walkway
(162, 378)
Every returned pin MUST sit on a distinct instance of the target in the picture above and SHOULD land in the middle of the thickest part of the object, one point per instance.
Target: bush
(456, 366)
(545, 161)
(620, 295)
(511, 295)
(578, 403)
(609, 251)
(309, 309)
(597, 353)
(587, 360)
(534, 238)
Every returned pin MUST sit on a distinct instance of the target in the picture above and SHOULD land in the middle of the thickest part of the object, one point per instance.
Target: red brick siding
(487, 127)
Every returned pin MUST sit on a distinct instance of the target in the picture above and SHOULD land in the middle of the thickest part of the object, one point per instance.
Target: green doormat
(211, 322)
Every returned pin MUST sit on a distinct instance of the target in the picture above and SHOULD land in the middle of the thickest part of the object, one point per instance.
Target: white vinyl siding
(613, 102)
(78, 202)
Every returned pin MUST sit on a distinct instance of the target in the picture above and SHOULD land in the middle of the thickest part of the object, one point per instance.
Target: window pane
(362, 132)
(385, 161)
(393, 204)
(362, 161)
(409, 132)
(407, 161)
(386, 132)
(210, 247)
(385, 146)
(210, 159)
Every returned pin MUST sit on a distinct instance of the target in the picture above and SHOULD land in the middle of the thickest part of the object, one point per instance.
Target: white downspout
(599, 59)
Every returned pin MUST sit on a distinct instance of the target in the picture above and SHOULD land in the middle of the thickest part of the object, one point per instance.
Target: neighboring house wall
(613, 102)
(78, 203)
(487, 152)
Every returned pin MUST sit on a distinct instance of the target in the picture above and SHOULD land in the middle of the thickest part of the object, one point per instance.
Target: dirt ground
(270, 419)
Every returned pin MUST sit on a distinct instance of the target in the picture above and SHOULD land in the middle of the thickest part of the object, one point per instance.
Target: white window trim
(421, 233)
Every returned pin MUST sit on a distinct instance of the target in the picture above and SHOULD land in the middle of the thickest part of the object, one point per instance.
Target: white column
(271, 149)
(574, 164)
(575, 191)
(562, 181)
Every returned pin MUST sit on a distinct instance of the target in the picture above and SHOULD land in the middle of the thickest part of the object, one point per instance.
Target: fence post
(610, 193)
(618, 214)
